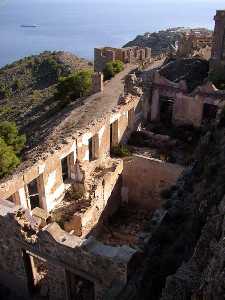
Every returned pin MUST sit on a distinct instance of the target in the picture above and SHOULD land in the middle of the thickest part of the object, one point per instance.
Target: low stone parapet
(64, 256)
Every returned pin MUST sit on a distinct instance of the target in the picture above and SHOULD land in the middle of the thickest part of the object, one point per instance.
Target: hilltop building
(130, 55)
(195, 43)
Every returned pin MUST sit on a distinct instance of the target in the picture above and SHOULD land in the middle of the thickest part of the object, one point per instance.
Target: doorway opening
(114, 135)
(90, 149)
(131, 118)
(166, 110)
(33, 194)
(65, 168)
(94, 147)
(209, 112)
(37, 275)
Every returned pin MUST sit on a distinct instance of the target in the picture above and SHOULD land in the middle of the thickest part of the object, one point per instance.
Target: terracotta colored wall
(188, 110)
(144, 179)
(63, 252)
(53, 183)
(123, 127)
(48, 171)
(104, 141)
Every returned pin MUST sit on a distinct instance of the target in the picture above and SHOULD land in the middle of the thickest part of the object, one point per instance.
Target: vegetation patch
(74, 86)
(112, 68)
(28, 86)
(48, 70)
(11, 145)
(5, 109)
(5, 91)
(120, 151)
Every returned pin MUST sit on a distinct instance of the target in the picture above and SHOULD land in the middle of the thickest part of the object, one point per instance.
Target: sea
(80, 25)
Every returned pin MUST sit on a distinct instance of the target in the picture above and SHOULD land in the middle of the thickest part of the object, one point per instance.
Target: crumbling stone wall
(104, 182)
(123, 127)
(144, 178)
(49, 175)
(48, 171)
(188, 110)
(97, 83)
(105, 266)
(187, 107)
(218, 49)
(104, 140)
(127, 55)
(11, 262)
(185, 46)
(101, 58)
(191, 43)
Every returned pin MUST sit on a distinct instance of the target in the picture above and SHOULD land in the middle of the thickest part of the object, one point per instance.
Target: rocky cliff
(163, 40)
(186, 255)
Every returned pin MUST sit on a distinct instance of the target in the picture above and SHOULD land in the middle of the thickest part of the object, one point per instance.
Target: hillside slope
(161, 41)
(27, 86)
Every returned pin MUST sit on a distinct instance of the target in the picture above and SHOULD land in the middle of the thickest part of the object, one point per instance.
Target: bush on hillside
(5, 92)
(49, 70)
(112, 68)
(74, 86)
(10, 135)
(11, 144)
(17, 85)
(8, 159)
(5, 109)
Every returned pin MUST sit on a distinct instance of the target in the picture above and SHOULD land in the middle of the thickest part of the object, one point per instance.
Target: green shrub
(47, 71)
(118, 66)
(5, 109)
(108, 71)
(112, 68)
(8, 159)
(11, 144)
(17, 85)
(120, 151)
(10, 135)
(49, 65)
(36, 96)
(74, 86)
(5, 92)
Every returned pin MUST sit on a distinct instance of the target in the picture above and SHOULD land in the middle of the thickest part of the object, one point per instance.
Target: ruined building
(68, 187)
(218, 49)
(126, 55)
(180, 91)
(175, 102)
(74, 216)
(195, 43)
